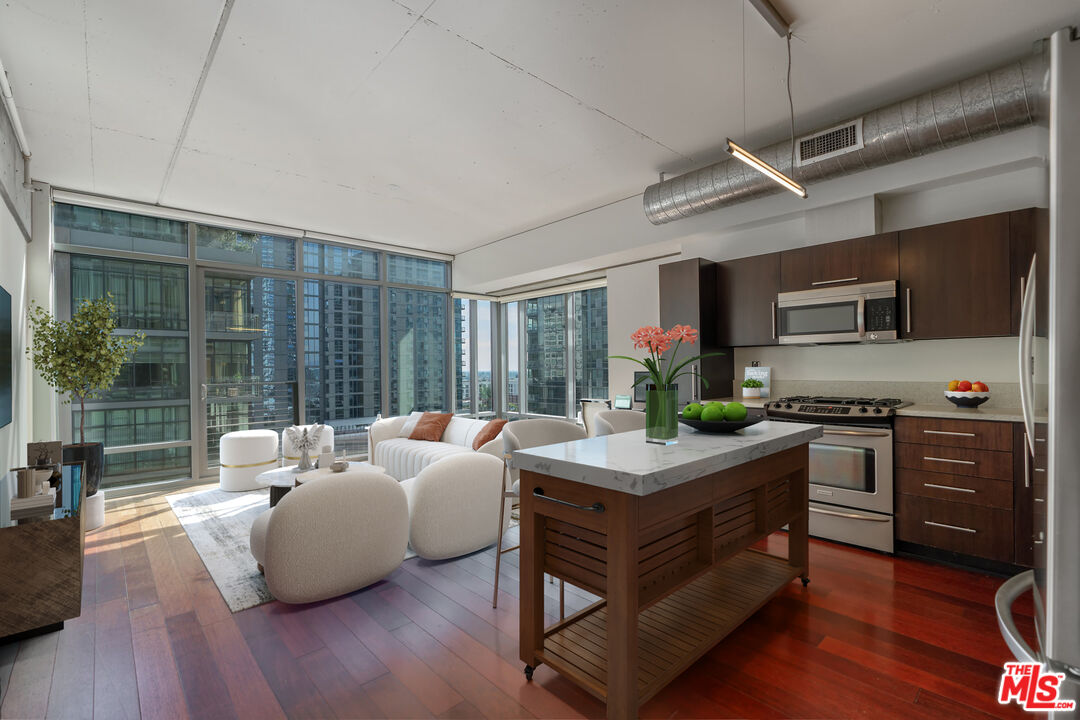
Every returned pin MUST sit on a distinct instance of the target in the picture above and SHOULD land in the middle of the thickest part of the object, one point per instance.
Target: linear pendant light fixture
(783, 28)
(744, 155)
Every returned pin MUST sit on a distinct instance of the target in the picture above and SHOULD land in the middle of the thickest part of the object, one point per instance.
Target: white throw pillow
(410, 424)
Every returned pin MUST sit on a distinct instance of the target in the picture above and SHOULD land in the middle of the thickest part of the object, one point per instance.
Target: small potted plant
(751, 388)
(81, 358)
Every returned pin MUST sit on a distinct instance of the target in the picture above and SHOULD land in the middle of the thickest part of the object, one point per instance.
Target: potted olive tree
(81, 358)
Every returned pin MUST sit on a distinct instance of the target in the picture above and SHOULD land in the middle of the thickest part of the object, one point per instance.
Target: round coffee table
(282, 480)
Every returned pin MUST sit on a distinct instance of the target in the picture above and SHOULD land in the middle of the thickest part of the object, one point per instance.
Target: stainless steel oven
(851, 486)
(847, 313)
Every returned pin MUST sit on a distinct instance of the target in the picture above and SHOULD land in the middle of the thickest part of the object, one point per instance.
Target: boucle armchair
(332, 536)
(451, 505)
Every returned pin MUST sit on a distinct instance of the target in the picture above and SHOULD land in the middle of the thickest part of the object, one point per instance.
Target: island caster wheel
(805, 581)
(528, 672)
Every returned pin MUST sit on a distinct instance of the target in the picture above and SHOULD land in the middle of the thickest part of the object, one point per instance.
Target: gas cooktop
(840, 410)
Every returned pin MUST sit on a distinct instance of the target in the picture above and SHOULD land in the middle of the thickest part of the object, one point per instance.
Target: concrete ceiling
(449, 124)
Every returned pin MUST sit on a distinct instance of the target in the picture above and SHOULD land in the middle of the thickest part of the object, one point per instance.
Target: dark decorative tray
(720, 426)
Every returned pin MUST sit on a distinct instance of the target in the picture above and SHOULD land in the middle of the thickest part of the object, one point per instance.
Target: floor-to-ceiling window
(284, 330)
(555, 352)
(590, 344)
(149, 404)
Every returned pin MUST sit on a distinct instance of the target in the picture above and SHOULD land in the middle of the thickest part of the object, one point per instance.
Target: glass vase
(661, 415)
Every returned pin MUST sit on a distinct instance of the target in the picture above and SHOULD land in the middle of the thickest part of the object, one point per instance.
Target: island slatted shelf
(674, 567)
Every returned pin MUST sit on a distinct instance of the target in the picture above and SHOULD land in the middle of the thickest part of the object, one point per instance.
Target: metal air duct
(987, 104)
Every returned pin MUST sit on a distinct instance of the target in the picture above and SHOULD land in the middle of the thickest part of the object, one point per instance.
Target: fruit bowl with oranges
(962, 393)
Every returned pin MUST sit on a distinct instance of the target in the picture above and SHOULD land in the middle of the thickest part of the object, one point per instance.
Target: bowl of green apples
(717, 417)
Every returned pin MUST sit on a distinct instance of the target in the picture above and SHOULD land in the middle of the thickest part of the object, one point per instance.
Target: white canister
(326, 457)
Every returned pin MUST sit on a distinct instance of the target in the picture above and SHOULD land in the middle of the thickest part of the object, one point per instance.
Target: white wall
(633, 300)
(992, 360)
(14, 436)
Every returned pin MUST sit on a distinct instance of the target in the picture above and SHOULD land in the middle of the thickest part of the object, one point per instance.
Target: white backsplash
(912, 371)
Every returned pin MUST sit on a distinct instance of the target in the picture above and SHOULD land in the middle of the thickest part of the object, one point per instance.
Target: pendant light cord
(791, 104)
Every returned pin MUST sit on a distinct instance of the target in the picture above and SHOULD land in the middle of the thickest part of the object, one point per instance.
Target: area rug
(218, 524)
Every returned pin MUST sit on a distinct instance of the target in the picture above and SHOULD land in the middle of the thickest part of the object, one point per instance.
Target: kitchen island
(663, 535)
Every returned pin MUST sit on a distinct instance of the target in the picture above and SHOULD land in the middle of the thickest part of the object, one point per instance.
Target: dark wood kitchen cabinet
(956, 279)
(746, 300)
(860, 260)
(688, 297)
(1029, 234)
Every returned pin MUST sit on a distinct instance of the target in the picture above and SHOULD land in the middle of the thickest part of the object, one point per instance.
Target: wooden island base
(673, 567)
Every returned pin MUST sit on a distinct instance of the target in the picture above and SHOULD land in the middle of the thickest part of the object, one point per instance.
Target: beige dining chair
(609, 422)
(520, 435)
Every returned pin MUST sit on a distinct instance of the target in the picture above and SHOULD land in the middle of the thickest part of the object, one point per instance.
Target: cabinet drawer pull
(949, 460)
(1027, 465)
(949, 432)
(1042, 500)
(949, 527)
(772, 307)
(595, 507)
(1040, 469)
(948, 487)
(832, 282)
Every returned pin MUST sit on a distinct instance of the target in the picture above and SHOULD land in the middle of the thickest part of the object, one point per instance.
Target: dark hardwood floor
(872, 636)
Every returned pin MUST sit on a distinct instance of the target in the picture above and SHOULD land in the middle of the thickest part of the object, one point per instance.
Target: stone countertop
(626, 463)
(951, 412)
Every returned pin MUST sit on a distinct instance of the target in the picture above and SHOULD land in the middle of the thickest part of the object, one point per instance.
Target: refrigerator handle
(1027, 331)
(1006, 595)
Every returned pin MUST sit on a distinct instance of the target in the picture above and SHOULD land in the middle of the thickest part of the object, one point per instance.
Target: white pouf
(243, 455)
(291, 455)
(94, 511)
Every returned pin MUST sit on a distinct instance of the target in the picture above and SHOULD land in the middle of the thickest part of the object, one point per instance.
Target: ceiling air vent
(830, 143)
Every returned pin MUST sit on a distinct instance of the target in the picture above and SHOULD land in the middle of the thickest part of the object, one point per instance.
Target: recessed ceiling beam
(772, 16)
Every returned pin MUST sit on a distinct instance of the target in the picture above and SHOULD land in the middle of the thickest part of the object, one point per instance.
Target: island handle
(595, 507)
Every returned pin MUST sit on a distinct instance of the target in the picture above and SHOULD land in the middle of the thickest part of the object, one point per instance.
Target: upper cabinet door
(861, 260)
(746, 300)
(955, 279)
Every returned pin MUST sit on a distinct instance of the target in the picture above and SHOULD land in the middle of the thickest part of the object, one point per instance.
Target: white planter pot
(751, 392)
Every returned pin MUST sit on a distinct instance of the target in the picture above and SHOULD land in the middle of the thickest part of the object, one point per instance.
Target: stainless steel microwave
(849, 313)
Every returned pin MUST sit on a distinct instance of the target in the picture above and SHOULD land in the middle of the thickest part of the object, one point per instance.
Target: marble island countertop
(626, 463)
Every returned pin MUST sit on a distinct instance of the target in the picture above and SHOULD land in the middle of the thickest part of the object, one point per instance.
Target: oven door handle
(857, 433)
(853, 516)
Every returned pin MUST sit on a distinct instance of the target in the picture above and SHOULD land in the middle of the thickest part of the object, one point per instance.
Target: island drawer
(954, 460)
(957, 527)
(985, 492)
(976, 434)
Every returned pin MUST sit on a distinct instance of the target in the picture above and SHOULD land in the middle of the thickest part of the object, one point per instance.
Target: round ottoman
(244, 454)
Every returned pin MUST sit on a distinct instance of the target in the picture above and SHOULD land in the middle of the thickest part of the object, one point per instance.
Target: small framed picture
(40, 454)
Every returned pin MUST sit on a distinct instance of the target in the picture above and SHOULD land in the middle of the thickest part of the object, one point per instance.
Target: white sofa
(403, 458)
(453, 505)
(332, 536)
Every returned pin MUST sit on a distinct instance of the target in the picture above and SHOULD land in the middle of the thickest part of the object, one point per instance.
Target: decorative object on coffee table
(662, 395)
(305, 440)
(81, 358)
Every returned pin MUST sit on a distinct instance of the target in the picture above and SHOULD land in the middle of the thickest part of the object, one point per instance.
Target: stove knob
(788, 406)
(862, 409)
(877, 411)
(776, 405)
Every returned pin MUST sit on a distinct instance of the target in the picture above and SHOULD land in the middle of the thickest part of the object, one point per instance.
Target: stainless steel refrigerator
(1049, 366)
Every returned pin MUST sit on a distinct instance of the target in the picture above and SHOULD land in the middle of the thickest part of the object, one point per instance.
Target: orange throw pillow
(488, 433)
(430, 427)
